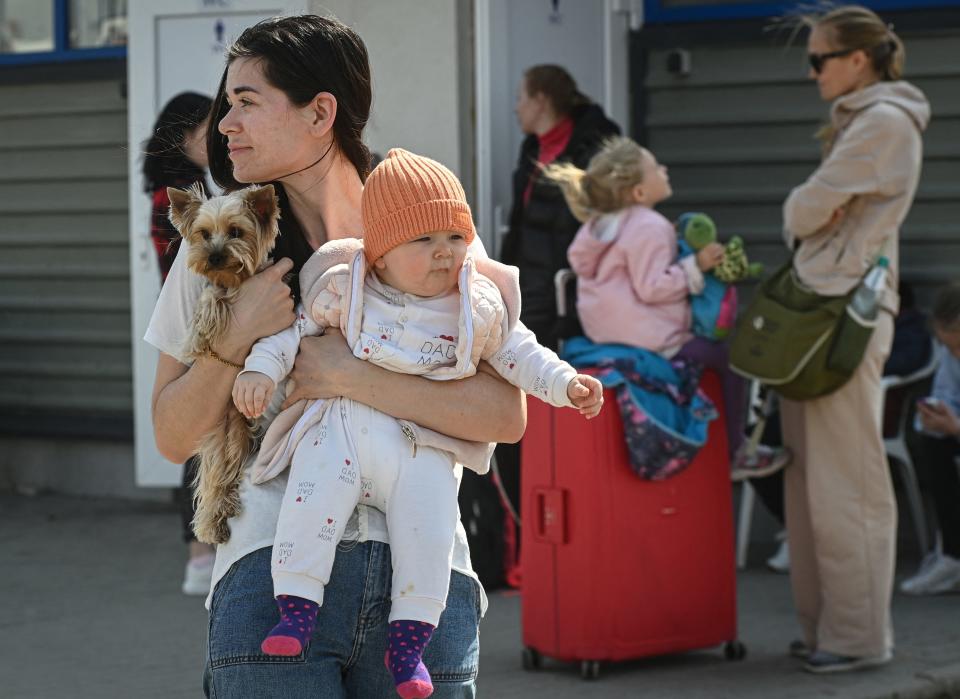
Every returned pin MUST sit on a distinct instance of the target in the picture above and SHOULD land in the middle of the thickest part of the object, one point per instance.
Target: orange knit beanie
(407, 196)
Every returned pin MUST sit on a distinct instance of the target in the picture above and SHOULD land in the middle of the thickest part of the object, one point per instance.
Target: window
(26, 26)
(53, 31)
(95, 23)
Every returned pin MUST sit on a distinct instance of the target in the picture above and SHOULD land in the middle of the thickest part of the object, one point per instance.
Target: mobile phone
(930, 401)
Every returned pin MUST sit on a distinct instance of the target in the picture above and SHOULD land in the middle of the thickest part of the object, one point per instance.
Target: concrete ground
(92, 609)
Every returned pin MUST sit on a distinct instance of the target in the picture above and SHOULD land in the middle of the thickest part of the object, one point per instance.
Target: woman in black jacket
(561, 125)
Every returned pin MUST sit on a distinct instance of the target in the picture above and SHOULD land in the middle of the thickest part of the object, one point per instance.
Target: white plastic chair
(560, 280)
(896, 446)
(748, 495)
(897, 453)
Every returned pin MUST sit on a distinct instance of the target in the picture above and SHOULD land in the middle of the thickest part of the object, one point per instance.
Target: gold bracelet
(214, 355)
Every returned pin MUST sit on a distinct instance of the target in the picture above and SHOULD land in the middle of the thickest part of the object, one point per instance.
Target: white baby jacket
(336, 294)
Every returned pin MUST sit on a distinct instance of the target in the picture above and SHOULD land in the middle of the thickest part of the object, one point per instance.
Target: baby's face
(425, 266)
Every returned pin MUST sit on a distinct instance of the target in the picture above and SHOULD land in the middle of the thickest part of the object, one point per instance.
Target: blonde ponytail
(603, 187)
(570, 179)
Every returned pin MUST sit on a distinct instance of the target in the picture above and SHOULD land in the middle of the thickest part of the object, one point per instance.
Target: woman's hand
(938, 417)
(323, 368)
(263, 307)
(482, 408)
(709, 256)
(835, 218)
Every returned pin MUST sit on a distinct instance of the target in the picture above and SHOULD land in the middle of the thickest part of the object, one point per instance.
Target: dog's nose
(216, 259)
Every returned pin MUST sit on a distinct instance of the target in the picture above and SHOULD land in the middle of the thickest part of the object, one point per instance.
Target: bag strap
(882, 251)
(884, 248)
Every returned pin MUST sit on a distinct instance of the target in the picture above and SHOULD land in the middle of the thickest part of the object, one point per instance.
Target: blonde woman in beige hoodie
(840, 509)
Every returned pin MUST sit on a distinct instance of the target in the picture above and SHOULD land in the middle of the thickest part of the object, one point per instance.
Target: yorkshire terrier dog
(229, 239)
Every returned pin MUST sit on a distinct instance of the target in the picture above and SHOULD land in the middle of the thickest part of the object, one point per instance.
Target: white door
(587, 37)
(173, 46)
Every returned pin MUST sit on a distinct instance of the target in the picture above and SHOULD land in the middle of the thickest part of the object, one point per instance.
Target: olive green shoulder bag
(800, 343)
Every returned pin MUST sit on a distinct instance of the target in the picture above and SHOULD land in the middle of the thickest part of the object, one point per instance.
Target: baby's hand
(709, 257)
(586, 394)
(251, 393)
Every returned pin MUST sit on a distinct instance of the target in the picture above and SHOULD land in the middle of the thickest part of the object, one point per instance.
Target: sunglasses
(817, 60)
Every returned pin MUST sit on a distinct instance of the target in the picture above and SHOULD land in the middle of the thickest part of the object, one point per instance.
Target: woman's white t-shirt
(255, 526)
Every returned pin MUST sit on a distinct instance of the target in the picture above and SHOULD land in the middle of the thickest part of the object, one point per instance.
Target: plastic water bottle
(866, 300)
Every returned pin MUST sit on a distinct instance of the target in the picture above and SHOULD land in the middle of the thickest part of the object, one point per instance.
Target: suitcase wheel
(589, 669)
(734, 650)
(532, 660)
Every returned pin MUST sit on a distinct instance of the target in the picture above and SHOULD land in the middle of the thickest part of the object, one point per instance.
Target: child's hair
(946, 307)
(164, 162)
(601, 188)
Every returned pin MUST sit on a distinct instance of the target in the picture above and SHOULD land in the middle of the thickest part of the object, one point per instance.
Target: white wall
(419, 62)
(86, 467)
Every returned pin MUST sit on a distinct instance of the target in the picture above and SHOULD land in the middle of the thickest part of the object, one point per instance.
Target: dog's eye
(205, 234)
(235, 232)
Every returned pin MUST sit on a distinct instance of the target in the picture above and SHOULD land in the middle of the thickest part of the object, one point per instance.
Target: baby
(416, 296)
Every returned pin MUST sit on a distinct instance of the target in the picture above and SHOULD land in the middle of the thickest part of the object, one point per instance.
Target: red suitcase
(615, 567)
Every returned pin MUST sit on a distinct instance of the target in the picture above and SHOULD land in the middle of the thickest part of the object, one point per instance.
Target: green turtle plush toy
(714, 309)
(699, 230)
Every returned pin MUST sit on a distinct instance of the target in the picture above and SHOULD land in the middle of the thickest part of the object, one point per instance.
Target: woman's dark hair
(164, 162)
(302, 56)
(557, 85)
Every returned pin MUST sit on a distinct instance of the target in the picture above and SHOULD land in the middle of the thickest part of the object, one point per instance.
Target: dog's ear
(263, 202)
(184, 205)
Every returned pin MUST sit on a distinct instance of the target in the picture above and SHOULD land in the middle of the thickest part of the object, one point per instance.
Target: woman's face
(267, 135)
(195, 145)
(839, 75)
(529, 110)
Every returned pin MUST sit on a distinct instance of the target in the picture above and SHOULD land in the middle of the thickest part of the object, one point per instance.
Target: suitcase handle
(550, 515)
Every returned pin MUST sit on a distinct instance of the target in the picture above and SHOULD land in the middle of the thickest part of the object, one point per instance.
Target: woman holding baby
(290, 109)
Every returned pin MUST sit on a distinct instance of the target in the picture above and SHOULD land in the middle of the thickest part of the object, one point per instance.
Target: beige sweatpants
(841, 512)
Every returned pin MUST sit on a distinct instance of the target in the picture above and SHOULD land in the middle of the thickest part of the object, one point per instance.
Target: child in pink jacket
(631, 288)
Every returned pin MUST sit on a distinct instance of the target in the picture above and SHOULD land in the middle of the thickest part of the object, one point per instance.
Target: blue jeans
(345, 657)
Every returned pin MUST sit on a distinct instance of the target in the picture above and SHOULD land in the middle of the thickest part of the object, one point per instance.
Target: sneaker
(780, 561)
(822, 662)
(764, 461)
(197, 575)
(799, 649)
(938, 573)
(926, 563)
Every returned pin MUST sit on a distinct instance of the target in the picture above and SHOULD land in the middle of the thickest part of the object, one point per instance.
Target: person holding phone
(938, 422)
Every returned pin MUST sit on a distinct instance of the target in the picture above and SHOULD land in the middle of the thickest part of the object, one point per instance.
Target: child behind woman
(938, 422)
(632, 290)
(175, 155)
(415, 296)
